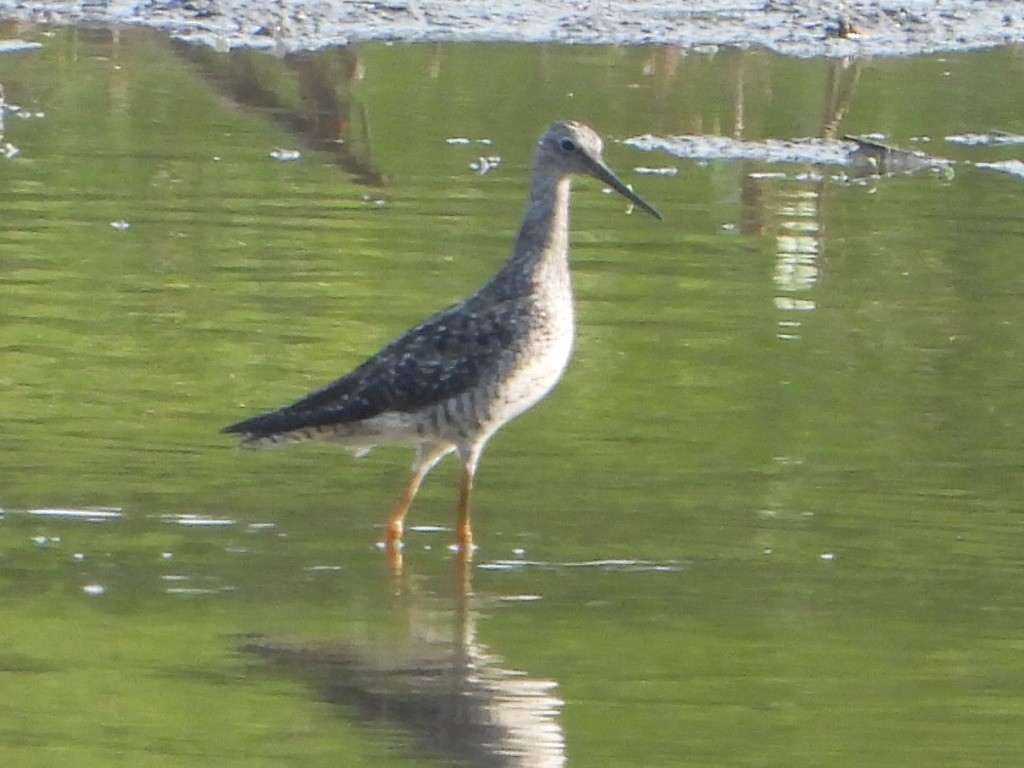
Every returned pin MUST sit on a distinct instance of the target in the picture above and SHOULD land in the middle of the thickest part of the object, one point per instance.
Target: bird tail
(270, 429)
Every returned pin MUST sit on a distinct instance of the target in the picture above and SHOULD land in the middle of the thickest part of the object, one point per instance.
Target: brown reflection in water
(310, 94)
(843, 77)
(445, 690)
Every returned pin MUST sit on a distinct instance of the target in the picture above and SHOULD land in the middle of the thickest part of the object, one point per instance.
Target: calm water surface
(771, 517)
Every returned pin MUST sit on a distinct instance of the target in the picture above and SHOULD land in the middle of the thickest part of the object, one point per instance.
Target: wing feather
(451, 352)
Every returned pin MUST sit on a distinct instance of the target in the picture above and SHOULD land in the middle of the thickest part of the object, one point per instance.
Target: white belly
(537, 373)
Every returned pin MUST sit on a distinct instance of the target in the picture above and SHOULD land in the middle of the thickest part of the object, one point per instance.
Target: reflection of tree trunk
(309, 94)
(455, 698)
(841, 86)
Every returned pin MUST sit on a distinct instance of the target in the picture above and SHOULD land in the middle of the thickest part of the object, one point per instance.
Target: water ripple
(198, 520)
(99, 514)
(610, 565)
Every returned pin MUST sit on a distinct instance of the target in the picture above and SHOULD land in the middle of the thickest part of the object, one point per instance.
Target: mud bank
(793, 27)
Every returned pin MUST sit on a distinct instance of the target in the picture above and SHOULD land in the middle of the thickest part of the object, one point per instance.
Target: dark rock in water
(872, 158)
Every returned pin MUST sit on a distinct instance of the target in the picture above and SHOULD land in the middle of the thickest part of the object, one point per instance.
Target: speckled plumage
(450, 383)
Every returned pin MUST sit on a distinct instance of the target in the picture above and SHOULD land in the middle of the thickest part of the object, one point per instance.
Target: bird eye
(568, 145)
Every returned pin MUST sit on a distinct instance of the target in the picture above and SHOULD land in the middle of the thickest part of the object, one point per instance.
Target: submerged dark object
(872, 158)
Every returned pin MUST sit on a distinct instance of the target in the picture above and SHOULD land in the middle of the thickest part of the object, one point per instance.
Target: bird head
(574, 148)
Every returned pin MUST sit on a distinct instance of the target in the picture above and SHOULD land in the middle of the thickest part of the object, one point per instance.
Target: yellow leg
(463, 589)
(396, 525)
(426, 457)
(464, 532)
(396, 562)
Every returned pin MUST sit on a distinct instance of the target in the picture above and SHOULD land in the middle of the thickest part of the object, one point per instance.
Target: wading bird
(450, 383)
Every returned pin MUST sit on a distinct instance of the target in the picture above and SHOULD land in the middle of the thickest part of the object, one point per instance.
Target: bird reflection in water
(451, 695)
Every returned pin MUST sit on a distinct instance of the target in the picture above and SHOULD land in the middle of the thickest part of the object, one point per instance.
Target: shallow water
(770, 517)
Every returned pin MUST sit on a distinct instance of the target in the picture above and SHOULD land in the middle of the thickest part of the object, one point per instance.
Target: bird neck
(543, 241)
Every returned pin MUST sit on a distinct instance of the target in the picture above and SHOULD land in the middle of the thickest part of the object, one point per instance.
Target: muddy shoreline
(804, 28)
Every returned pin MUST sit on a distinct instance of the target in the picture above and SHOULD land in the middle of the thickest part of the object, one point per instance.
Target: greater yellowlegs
(449, 384)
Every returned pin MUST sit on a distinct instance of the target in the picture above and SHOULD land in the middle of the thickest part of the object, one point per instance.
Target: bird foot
(392, 547)
(393, 534)
(463, 548)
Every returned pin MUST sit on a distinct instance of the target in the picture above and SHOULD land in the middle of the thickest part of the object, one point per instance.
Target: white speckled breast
(546, 352)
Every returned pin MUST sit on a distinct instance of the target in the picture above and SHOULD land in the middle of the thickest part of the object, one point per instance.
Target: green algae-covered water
(771, 517)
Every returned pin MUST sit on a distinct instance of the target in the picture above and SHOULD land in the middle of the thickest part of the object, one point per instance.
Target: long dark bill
(607, 175)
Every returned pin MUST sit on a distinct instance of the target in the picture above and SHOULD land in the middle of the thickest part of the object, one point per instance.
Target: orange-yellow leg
(396, 525)
(470, 455)
(463, 584)
(396, 562)
(426, 458)
(464, 532)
